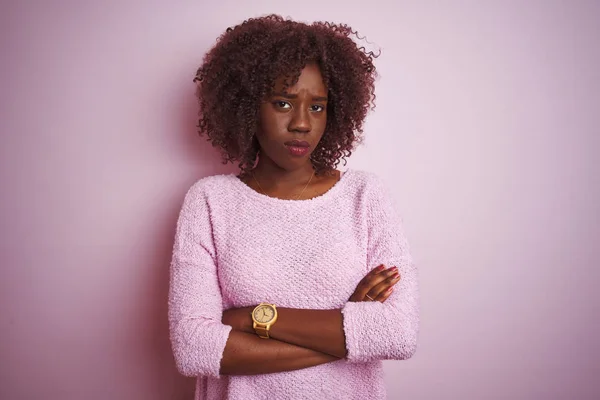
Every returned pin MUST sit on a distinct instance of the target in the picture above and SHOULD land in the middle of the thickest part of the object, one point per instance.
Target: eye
(282, 104)
(317, 108)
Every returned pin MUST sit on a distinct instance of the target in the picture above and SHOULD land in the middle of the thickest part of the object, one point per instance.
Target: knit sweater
(235, 247)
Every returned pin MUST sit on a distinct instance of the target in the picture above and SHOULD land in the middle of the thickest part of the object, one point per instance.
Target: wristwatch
(264, 316)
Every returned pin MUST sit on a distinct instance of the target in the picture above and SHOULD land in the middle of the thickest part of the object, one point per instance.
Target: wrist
(246, 320)
(240, 319)
(264, 316)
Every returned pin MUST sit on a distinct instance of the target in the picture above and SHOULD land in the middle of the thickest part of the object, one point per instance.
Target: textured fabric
(235, 247)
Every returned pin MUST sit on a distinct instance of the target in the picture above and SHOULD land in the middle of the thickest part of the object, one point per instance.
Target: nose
(300, 121)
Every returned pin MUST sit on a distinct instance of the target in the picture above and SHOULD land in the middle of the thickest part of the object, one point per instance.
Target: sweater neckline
(330, 194)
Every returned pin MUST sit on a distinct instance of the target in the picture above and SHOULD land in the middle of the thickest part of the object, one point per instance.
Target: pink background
(486, 129)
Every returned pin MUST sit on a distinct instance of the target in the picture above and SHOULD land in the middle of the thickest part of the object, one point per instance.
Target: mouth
(297, 147)
(297, 143)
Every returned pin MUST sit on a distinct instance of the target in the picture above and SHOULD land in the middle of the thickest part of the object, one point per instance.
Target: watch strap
(262, 331)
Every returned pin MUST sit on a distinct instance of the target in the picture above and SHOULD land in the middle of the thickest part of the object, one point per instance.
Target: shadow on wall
(205, 161)
(194, 148)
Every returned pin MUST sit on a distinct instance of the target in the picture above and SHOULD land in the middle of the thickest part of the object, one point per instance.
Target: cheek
(272, 124)
(323, 122)
(319, 125)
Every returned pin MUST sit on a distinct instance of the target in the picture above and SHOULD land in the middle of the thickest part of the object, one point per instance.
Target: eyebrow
(294, 96)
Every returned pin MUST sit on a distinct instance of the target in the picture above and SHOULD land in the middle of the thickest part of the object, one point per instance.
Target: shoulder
(214, 186)
(373, 191)
(367, 182)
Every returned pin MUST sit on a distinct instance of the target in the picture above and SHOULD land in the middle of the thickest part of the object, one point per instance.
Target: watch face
(264, 314)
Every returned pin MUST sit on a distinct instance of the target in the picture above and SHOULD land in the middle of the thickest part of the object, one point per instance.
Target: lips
(297, 143)
(297, 148)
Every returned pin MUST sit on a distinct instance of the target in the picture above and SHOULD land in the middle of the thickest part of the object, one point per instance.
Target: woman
(291, 280)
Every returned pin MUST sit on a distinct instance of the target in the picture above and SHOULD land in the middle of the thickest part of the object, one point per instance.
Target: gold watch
(264, 316)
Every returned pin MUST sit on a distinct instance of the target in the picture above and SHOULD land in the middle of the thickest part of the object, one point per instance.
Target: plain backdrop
(486, 130)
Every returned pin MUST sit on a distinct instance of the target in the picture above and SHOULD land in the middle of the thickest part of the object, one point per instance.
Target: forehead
(310, 80)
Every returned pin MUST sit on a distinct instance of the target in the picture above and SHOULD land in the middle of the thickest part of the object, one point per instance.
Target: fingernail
(380, 268)
(390, 289)
(396, 276)
(394, 268)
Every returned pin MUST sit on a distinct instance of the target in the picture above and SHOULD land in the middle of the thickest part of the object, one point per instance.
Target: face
(292, 123)
(264, 314)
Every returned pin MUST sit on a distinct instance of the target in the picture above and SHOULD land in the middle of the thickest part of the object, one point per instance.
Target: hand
(378, 284)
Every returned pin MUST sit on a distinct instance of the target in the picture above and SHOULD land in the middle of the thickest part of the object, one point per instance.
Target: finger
(376, 270)
(370, 282)
(383, 296)
(384, 285)
(366, 283)
(372, 279)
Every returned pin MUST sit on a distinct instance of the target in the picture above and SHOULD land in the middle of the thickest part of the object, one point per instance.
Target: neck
(273, 176)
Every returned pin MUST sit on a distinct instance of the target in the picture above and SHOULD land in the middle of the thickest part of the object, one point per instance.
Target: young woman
(290, 280)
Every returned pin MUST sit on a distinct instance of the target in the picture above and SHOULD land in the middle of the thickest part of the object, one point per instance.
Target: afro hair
(241, 69)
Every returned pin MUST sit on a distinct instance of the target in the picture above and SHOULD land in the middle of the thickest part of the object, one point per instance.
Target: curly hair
(241, 69)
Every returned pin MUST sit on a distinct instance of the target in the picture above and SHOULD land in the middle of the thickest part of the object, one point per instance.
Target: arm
(323, 330)
(202, 344)
(247, 354)
(198, 337)
(385, 330)
(319, 330)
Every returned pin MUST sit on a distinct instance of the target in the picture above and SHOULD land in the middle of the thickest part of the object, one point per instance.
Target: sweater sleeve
(380, 331)
(198, 337)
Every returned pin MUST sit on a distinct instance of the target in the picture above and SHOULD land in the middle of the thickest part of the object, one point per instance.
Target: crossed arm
(300, 338)
(209, 342)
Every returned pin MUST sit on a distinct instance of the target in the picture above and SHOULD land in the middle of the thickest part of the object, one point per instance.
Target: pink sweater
(235, 247)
